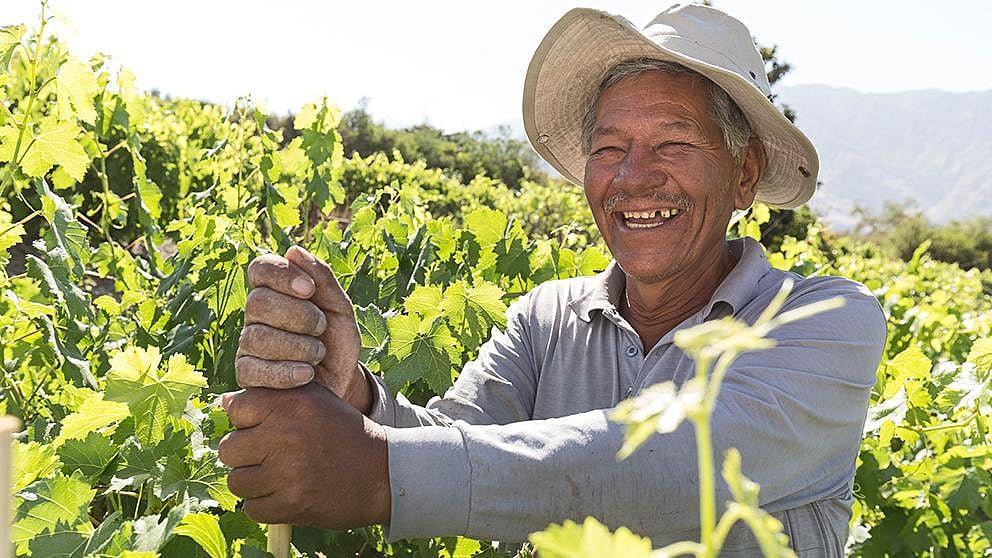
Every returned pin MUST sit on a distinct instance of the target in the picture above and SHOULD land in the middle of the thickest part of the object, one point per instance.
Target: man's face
(656, 151)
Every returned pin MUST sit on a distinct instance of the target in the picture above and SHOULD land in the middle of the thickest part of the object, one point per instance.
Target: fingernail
(302, 374)
(303, 286)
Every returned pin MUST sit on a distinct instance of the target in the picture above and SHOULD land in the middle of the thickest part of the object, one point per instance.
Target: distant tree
(901, 227)
(463, 154)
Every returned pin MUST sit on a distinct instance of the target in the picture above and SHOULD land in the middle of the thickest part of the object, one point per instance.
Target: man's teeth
(663, 213)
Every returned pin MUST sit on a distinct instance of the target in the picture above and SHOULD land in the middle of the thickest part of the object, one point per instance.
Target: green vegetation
(900, 229)
(126, 225)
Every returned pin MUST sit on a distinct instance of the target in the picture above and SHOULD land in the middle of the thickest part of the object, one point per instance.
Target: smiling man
(669, 130)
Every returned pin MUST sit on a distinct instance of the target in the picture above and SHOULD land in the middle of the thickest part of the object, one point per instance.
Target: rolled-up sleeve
(795, 412)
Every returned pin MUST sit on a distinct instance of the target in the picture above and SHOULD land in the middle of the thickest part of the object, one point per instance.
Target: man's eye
(605, 150)
(674, 145)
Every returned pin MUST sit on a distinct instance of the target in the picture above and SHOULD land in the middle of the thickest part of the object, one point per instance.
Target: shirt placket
(630, 360)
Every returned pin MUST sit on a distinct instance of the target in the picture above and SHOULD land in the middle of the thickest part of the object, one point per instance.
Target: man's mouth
(647, 219)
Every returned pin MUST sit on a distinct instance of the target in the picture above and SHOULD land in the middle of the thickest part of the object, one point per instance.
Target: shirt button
(631, 351)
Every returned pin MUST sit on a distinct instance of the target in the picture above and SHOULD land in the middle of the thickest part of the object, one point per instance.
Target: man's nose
(640, 169)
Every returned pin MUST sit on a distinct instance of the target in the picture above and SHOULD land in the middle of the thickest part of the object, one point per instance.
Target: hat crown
(725, 41)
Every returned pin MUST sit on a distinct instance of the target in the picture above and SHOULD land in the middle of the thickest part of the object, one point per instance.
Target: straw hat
(575, 55)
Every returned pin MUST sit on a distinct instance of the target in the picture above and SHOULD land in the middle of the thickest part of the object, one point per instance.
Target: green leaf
(66, 232)
(144, 463)
(512, 259)
(473, 311)
(967, 391)
(45, 504)
(202, 479)
(463, 548)
(590, 540)
(909, 364)
(54, 144)
(10, 37)
(59, 542)
(32, 461)
(94, 414)
(375, 332)
(591, 261)
(205, 530)
(76, 85)
(424, 301)
(424, 349)
(90, 456)
(488, 225)
(151, 395)
(65, 292)
(981, 355)
(148, 193)
(893, 409)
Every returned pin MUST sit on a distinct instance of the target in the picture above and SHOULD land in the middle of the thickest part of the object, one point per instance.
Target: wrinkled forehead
(673, 96)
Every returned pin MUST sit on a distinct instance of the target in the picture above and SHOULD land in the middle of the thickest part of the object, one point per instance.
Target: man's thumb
(328, 294)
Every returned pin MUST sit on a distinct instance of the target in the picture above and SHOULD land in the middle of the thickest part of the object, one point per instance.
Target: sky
(460, 65)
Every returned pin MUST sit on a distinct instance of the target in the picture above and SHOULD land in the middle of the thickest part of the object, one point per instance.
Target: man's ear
(749, 174)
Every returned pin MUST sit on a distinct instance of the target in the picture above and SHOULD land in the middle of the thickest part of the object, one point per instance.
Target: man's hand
(300, 325)
(303, 456)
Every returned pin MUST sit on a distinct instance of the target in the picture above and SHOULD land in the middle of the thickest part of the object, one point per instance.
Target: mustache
(680, 201)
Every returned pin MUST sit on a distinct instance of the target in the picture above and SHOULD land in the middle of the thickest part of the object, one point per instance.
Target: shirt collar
(737, 288)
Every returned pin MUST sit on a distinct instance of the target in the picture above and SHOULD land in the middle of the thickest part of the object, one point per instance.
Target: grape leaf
(590, 540)
(473, 311)
(909, 364)
(54, 144)
(424, 349)
(43, 505)
(375, 333)
(424, 301)
(143, 463)
(90, 456)
(59, 542)
(10, 37)
(93, 414)
(75, 87)
(205, 530)
(488, 225)
(203, 479)
(151, 395)
(981, 355)
(32, 461)
(64, 290)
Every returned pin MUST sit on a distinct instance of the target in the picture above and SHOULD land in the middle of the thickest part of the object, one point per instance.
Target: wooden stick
(8, 425)
(278, 540)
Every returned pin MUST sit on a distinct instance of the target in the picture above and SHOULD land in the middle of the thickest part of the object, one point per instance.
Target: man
(668, 130)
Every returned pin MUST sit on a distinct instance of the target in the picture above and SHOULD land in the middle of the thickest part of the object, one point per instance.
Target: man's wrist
(361, 396)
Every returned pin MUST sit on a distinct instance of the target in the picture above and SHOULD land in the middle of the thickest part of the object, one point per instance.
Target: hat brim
(584, 44)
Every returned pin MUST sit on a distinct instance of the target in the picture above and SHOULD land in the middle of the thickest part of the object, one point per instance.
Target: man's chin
(648, 272)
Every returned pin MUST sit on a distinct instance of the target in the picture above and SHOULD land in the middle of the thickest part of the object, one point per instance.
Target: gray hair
(725, 112)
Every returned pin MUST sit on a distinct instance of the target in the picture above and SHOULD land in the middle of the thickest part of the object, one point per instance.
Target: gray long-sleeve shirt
(522, 439)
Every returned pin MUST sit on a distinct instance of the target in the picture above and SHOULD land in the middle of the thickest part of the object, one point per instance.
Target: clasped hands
(304, 452)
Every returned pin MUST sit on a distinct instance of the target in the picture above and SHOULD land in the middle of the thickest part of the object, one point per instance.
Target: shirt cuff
(381, 410)
(430, 482)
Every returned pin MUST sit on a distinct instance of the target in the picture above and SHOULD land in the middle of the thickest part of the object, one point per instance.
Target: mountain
(930, 147)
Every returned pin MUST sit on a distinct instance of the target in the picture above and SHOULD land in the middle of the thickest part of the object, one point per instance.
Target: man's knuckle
(258, 511)
(255, 301)
(246, 371)
(252, 337)
(224, 450)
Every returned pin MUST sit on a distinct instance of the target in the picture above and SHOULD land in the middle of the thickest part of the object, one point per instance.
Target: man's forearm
(506, 481)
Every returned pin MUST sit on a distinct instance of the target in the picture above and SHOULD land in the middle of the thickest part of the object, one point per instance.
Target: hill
(928, 146)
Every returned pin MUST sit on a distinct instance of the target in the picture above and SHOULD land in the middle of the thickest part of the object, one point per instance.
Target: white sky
(460, 64)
